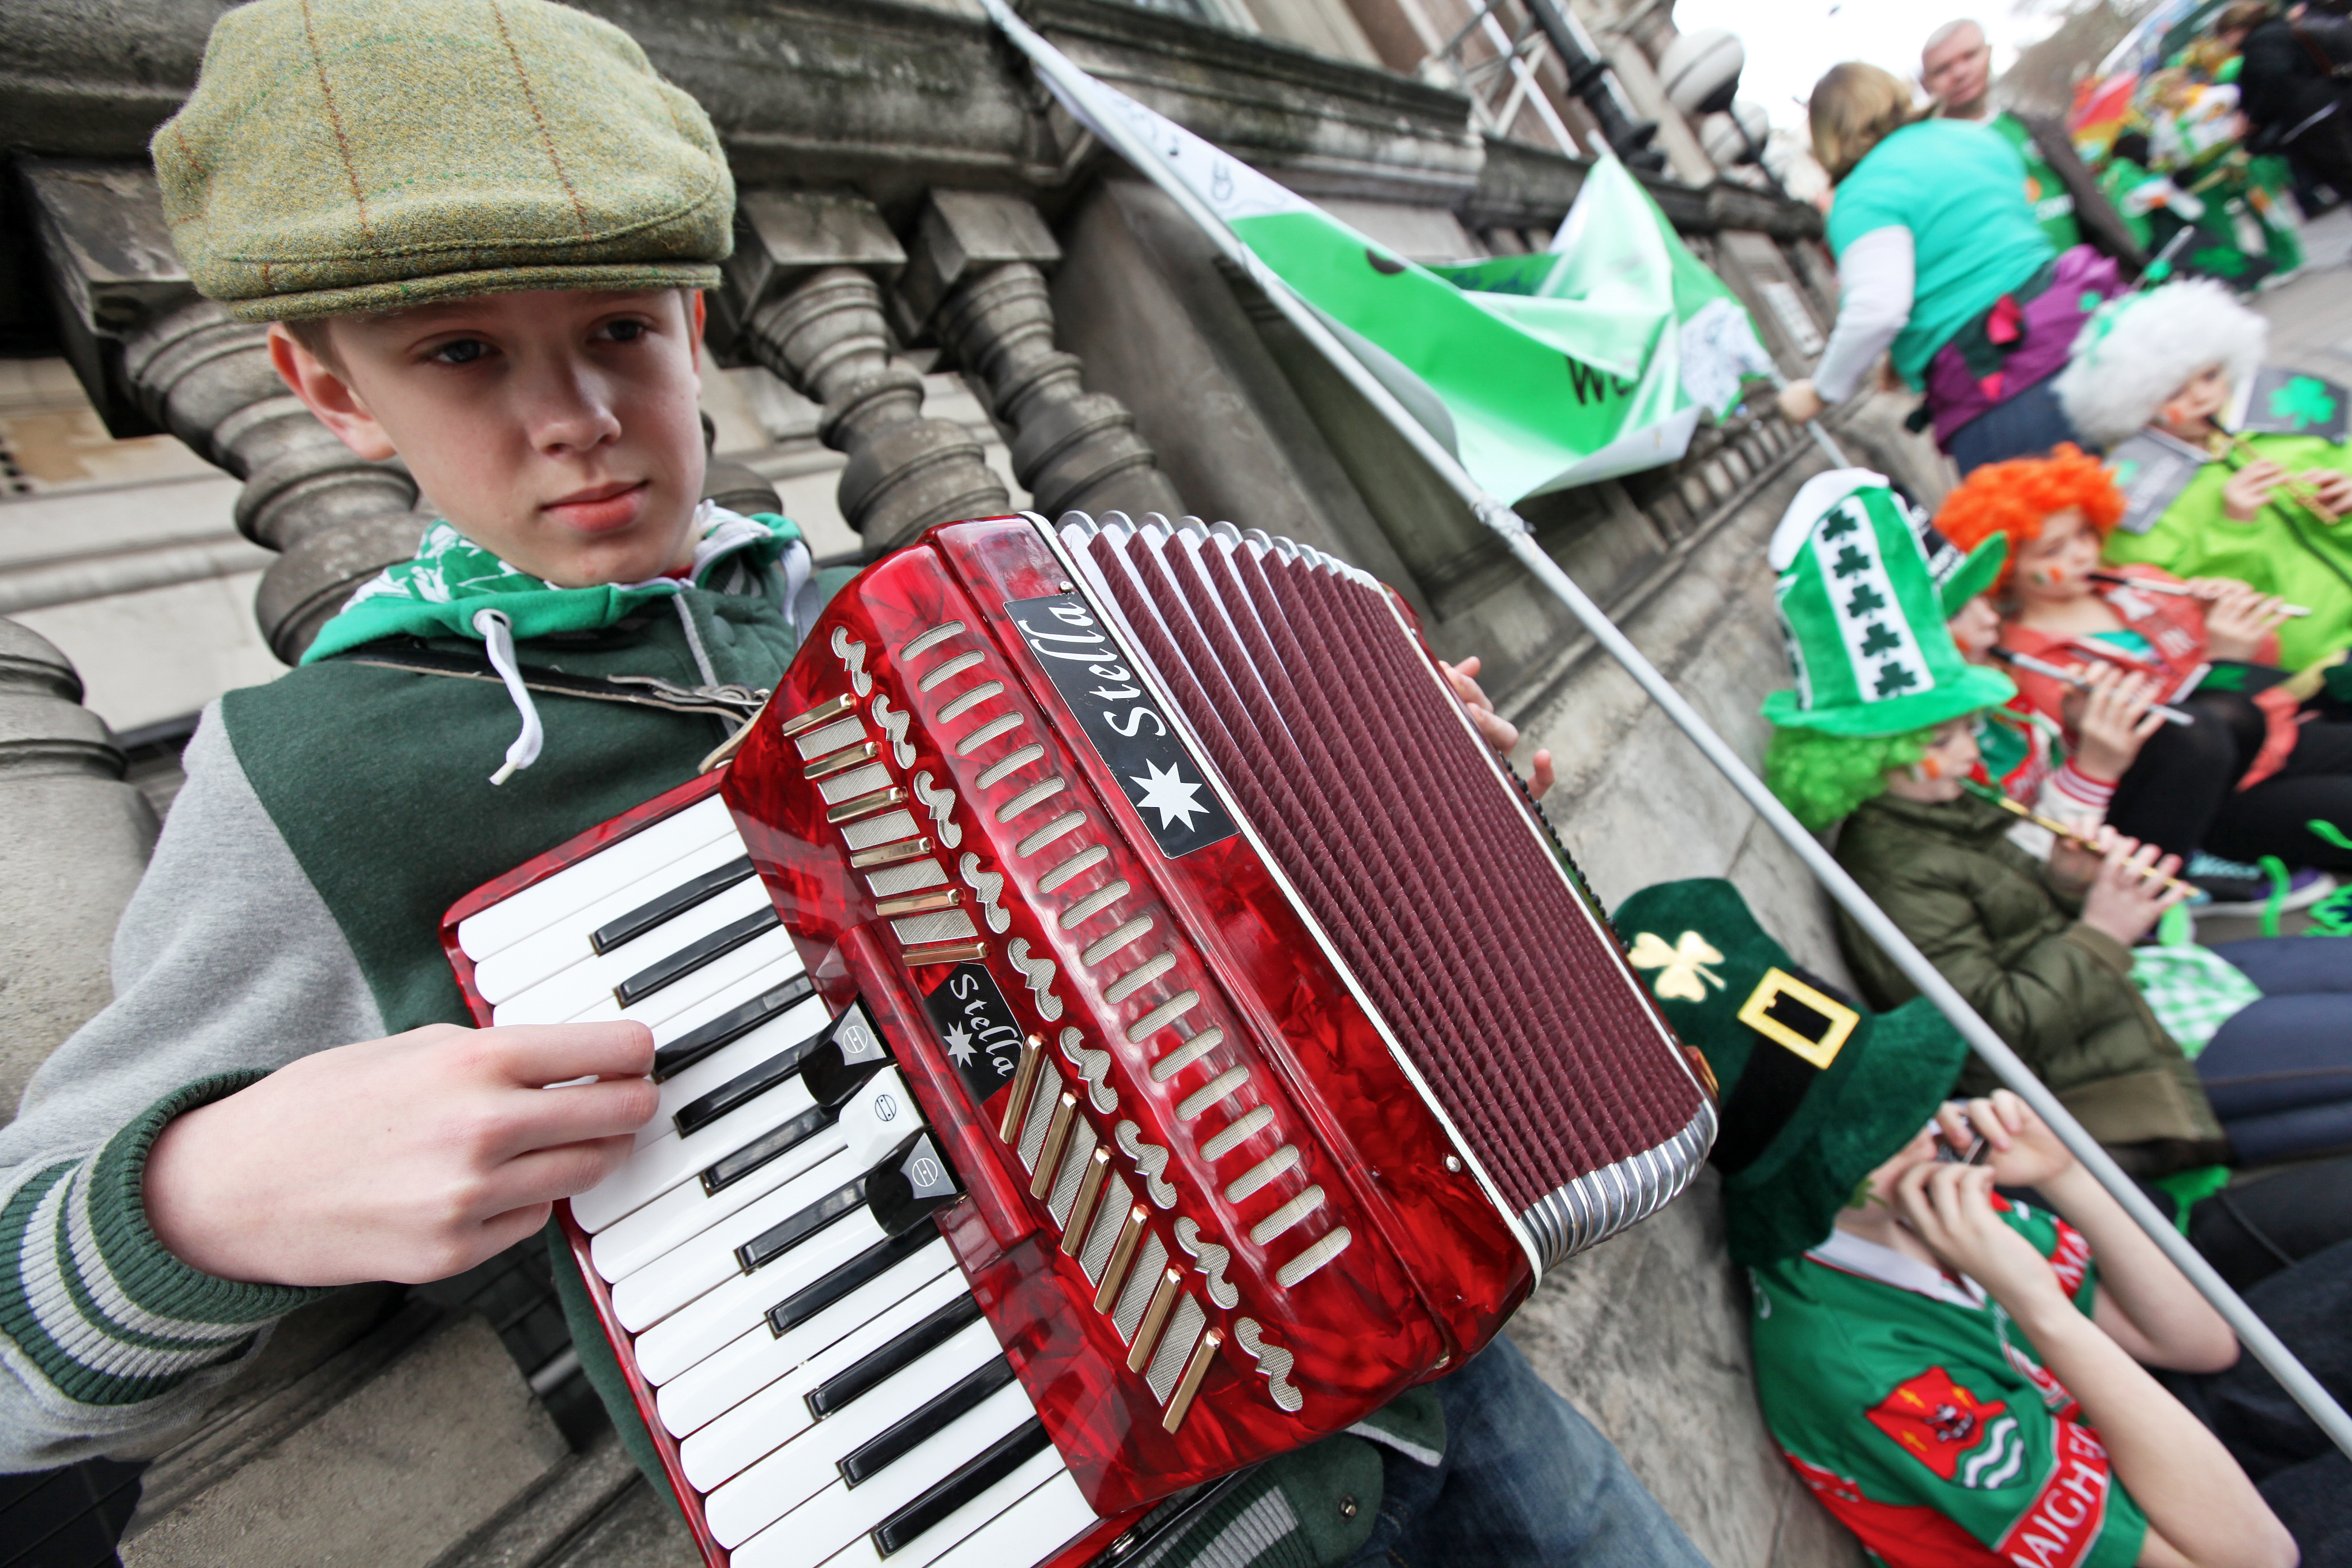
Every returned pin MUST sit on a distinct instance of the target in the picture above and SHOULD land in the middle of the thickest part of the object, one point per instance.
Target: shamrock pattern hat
(1816, 1091)
(1863, 618)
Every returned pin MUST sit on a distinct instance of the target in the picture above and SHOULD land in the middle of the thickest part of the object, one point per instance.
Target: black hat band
(1807, 1024)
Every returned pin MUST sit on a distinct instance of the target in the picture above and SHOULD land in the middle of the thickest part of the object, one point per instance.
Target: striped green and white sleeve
(226, 967)
(88, 1296)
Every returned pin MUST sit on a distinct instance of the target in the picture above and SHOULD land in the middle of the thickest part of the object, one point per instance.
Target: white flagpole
(1072, 84)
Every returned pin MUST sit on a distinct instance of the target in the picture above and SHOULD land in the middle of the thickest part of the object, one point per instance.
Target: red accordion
(1117, 1022)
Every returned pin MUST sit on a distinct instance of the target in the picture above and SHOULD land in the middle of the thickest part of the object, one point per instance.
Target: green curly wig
(1822, 777)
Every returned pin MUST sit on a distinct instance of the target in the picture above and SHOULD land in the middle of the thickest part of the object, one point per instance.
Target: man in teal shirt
(1956, 68)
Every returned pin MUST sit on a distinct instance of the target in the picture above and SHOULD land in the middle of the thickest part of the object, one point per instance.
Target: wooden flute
(2302, 494)
(2052, 825)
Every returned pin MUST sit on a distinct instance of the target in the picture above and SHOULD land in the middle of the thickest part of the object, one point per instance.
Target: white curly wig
(2138, 350)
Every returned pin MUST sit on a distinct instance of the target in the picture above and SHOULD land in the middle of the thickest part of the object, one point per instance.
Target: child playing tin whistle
(2251, 771)
(2153, 380)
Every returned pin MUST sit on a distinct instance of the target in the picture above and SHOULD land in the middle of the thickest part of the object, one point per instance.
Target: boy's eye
(461, 350)
(625, 331)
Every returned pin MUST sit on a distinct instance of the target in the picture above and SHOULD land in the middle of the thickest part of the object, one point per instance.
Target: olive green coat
(2059, 991)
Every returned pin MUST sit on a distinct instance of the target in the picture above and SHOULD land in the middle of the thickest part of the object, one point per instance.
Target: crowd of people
(2098, 694)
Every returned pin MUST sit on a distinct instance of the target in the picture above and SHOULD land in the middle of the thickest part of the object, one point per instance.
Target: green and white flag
(1538, 372)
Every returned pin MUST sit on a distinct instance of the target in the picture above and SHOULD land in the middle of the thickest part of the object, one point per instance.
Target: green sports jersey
(2045, 193)
(1918, 1412)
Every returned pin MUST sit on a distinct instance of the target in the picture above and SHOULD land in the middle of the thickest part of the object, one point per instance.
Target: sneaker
(2234, 889)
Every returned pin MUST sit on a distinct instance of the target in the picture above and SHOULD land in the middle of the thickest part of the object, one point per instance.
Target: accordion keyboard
(833, 1392)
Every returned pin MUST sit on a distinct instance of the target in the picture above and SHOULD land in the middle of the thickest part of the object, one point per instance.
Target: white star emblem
(959, 1045)
(1169, 795)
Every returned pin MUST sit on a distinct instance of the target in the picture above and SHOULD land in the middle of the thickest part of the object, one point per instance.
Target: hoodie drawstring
(498, 635)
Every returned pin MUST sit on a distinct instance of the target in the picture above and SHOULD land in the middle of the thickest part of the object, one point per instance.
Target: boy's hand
(1500, 733)
(407, 1159)
(2335, 488)
(1949, 1207)
(2020, 1149)
(2114, 719)
(2238, 619)
(2126, 899)
(2249, 490)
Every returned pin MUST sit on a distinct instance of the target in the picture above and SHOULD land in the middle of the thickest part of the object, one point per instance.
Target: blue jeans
(2279, 1072)
(1526, 1481)
(2025, 425)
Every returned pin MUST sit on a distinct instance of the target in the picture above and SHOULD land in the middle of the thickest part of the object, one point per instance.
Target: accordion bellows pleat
(1362, 780)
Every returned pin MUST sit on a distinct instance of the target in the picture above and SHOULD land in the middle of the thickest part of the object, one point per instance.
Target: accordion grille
(1142, 1279)
(1354, 766)
(1042, 1100)
(1176, 1342)
(1080, 1149)
(1110, 1217)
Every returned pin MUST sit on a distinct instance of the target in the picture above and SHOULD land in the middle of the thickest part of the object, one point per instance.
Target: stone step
(401, 1465)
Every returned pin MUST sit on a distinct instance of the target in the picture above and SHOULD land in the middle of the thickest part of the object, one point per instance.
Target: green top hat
(1959, 575)
(1816, 1092)
(1863, 621)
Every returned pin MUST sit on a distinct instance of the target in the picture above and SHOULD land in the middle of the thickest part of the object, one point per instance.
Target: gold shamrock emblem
(1682, 966)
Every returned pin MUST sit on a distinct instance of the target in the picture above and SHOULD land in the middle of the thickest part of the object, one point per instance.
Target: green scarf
(452, 579)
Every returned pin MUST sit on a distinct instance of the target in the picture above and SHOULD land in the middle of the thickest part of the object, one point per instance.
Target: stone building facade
(946, 301)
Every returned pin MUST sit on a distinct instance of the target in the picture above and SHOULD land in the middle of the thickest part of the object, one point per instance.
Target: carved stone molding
(152, 355)
(334, 518)
(802, 284)
(977, 278)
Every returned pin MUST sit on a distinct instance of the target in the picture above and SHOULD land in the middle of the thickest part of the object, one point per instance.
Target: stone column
(977, 278)
(804, 285)
(76, 843)
(154, 356)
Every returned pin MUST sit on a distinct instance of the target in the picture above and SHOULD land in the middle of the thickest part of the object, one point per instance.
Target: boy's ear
(326, 393)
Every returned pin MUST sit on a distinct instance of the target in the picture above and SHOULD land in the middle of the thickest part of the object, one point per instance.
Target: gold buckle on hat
(1790, 1013)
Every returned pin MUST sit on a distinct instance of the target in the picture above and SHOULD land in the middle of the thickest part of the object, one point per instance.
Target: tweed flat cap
(341, 156)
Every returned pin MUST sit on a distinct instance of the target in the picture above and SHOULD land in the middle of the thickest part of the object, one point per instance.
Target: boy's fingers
(552, 1118)
(535, 1054)
(543, 1175)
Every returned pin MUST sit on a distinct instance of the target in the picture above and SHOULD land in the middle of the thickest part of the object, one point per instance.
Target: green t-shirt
(1919, 1415)
(2052, 204)
(1959, 188)
(2284, 550)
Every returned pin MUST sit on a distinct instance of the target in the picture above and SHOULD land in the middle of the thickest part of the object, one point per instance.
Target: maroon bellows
(1369, 789)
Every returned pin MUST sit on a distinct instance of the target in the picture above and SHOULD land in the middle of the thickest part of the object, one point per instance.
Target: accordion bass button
(1180, 1404)
(1049, 1156)
(1024, 1081)
(833, 708)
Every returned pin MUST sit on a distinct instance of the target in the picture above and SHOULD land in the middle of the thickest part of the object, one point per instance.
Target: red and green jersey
(1919, 1415)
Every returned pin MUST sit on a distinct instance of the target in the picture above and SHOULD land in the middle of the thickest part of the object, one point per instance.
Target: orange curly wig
(2014, 498)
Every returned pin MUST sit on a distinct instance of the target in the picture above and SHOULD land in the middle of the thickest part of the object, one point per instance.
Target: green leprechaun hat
(1960, 574)
(1863, 621)
(1816, 1092)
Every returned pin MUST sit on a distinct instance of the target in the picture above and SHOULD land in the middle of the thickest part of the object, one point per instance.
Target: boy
(505, 295)
(1957, 1378)
(2151, 379)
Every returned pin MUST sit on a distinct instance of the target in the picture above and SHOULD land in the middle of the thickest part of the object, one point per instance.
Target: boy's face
(2056, 563)
(1936, 776)
(557, 428)
(2190, 413)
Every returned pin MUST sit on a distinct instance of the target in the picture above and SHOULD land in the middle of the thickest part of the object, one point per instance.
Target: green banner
(1538, 372)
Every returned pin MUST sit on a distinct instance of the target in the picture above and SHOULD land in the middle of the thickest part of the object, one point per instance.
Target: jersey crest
(1961, 1438)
